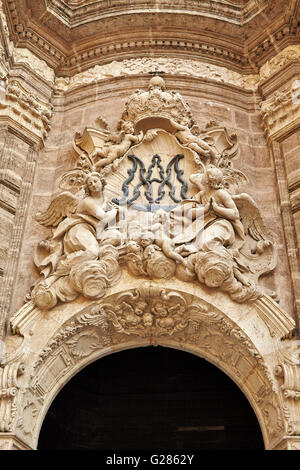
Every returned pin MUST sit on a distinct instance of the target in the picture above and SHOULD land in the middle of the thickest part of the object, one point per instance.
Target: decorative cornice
(67, 50)
(289, 55)
(22, 55)
(73, 13)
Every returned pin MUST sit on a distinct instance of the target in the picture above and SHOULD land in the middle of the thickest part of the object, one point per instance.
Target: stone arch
(244, 341)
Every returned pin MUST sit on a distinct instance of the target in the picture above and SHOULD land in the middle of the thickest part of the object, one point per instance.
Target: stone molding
(62, 57)
(179, 66)
(184, 67)
(73, 12)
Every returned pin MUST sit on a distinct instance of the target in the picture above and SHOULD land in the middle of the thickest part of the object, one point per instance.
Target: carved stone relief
(147, 222)
(27, 109)
(287, 372)
(281, 111)
(170, 65)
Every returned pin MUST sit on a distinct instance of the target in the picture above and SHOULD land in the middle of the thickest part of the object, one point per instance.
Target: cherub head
(146, 238)
(127, 127)
(148, 319)
(140, 307)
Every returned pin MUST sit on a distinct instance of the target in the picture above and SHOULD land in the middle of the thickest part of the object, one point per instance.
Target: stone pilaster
(280, 110)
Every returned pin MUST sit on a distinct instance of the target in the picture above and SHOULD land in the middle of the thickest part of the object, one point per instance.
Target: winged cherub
(75, 224)
(211, 219)
(190, 138)
(118, 145)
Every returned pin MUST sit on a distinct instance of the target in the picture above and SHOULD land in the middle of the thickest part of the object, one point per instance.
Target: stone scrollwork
(9, 386)
(281, 109)
(182, 217)
(287, 372)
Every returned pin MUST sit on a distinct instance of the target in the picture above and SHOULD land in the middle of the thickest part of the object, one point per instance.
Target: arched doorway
(147, 398)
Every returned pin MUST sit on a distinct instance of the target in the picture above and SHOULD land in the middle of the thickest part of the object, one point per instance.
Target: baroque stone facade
(149, 196)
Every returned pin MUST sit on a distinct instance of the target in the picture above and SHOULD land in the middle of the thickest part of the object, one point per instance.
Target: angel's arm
(204, 145)
(178, 126)
(229, 211)
(117, 137)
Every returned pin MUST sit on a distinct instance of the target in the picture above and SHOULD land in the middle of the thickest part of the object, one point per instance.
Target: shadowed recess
(151, 398)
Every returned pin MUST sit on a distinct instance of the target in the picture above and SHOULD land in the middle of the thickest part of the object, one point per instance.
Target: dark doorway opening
(151, 398)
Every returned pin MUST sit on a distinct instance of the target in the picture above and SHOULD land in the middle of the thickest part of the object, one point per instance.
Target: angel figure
(75, 224)
(189, 138)
(209, 220)
(225, 238)
(122, 142)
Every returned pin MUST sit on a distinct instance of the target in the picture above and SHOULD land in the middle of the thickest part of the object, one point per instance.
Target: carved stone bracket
(281, 112)
(26, 109)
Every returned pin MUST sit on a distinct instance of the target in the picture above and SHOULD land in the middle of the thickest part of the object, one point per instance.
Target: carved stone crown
(158, 104)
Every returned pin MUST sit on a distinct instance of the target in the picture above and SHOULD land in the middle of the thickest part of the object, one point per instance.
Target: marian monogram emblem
(155, 185)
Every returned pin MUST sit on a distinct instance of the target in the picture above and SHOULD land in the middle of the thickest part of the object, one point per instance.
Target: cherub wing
(258, 255)
(251, 217)
(233, 178)
(62, 206)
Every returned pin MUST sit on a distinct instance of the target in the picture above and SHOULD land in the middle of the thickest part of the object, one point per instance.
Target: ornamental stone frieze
(170, 65)
(58, 31)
